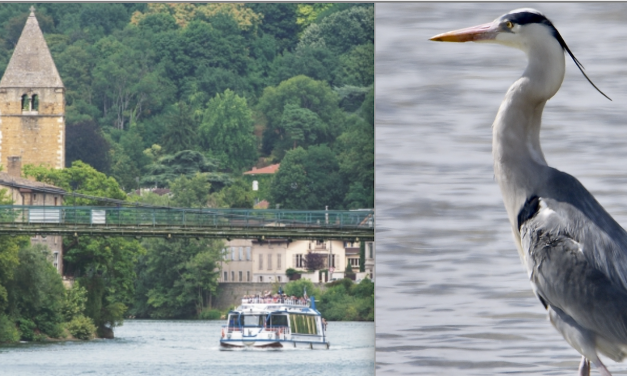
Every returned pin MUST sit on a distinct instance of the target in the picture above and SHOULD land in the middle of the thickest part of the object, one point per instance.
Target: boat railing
(289, 301)
(280, 329)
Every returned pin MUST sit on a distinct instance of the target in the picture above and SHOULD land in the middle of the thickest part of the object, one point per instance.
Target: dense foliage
(34, 305)
(188, 96)
(104, 266)
(343, 300)
(227, 86)
(348, 301)
(177, 278)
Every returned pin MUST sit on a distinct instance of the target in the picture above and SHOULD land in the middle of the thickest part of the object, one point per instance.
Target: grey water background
(452, 297)
(170, 347)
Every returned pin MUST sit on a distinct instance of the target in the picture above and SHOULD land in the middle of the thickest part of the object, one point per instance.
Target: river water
(452, 297)
(168, 347)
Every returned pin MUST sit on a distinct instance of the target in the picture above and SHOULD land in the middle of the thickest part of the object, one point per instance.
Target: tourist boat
(275, 323)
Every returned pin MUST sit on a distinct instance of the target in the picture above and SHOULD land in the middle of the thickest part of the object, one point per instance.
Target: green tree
(280, 21)
(346, 301)
(308, 180)
(211, 81)
(127, 84)
(80, 178)
(298, 287)
(306, 93)
(358, 65)
(352, 97)
(103, 18)
(356, 159)
(123, 168)
(154, 23)
(190, 192)
(290, 188)
(314, 61)
(75, 64)
(104, 266)
(184, 13)
(206, 41)
(362, 256)
(177, 278)
(348, 272)
(9, 260)
(36, 292)
(308, 13)
(152, 199)
(75, 302)
(180, 131)
(301, 127)
(342, 30)
(227, 130)
(8, 330)
(367, 108)
(184, 163)
(238, 195)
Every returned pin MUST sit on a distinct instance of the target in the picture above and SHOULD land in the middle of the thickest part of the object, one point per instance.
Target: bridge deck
(180, 222)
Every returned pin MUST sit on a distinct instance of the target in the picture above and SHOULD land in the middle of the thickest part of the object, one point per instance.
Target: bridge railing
(159, 217)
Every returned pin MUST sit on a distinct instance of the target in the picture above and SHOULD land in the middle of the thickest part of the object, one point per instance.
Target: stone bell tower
(32, 103)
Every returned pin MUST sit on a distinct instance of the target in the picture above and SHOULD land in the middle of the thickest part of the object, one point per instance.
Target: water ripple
(452, 296)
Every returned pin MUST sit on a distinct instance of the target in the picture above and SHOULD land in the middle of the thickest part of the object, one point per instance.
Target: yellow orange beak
(483, 32)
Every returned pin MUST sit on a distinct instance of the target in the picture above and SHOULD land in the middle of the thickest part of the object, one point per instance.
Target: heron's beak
(477, 33)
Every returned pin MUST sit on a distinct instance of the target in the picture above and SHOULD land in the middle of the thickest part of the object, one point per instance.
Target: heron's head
(519, 28)
(523, 28)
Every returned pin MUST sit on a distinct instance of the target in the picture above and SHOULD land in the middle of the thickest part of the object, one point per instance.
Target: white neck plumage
(518, 158)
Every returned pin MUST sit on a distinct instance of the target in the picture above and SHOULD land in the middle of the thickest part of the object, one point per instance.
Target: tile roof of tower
(31, 64)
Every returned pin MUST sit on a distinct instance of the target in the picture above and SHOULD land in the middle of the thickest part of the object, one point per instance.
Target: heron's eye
(509, 24)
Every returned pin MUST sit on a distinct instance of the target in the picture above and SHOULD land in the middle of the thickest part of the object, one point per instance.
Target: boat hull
(243, 344)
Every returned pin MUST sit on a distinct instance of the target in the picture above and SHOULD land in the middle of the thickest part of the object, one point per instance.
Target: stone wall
(38, 137)
(230, 294)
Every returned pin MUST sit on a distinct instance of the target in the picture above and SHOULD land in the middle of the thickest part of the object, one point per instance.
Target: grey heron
(575, 253)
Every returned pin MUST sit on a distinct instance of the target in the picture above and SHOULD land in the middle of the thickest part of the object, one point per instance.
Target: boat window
(278, 320)
(252, 320)
(233, 320)
(304, 324)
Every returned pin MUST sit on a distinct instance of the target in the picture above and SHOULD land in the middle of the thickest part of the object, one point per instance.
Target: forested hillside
(187, 97)
(156, 91)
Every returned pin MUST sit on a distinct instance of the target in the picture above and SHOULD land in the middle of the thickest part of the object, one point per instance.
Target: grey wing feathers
(602, 239)
(561, 248)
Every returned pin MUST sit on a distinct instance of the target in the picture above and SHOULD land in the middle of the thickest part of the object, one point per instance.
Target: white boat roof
(257, 305)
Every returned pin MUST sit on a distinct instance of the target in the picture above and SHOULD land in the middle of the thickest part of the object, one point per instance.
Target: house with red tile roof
(264, 170)
(260, 180)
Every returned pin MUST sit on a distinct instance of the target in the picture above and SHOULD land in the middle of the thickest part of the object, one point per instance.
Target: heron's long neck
(519, 163)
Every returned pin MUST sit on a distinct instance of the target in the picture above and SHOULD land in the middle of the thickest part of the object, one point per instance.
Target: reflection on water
(452, 296)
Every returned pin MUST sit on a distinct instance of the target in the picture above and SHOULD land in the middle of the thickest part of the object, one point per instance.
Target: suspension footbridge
(349, 225)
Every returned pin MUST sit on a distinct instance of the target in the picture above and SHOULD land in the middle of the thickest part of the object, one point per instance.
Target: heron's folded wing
(560, 242)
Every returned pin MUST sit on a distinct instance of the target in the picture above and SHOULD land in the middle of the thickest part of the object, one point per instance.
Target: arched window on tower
(35, 103)
(25, 103)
